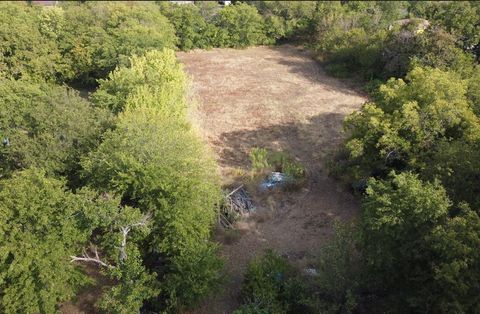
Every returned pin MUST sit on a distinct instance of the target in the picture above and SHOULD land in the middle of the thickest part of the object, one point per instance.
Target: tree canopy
(119, 179)
(47, 126)
(415, 250)
(42, 225)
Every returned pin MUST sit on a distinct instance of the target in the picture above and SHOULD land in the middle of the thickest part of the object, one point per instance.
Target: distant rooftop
(45, 2)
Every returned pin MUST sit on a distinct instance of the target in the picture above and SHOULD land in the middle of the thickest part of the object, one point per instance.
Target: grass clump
(272, 285)
(265, 161)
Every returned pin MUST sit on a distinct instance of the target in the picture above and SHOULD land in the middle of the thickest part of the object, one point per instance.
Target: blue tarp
(275, 180)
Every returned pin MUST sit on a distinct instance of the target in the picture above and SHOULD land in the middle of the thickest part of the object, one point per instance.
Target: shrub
(286, 19)
(240, 25)
(263, 160)
(458, 18)
(101, 35)
(259, 159)
(271, 285)
(433, 47)
(339, 270)
(407, 230)
(154, 161)
(191, 27)
(155, 80)
(43, 224)
(28, 43)
(265, 282)
(47, 126)
(350, 37)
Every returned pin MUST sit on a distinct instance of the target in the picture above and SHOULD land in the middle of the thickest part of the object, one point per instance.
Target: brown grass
(281, 99)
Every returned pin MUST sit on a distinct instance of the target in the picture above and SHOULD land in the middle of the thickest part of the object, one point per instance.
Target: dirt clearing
(278, 98)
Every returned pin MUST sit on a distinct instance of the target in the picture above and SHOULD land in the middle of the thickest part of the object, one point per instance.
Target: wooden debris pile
(237, 203)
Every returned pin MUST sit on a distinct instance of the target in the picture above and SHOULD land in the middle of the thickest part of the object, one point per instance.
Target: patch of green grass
(280, 161)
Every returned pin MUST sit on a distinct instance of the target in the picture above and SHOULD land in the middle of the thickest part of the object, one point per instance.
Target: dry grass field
(278, 98)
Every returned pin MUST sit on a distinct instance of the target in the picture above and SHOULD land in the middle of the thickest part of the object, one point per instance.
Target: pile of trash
(237, 203)
(275, 180)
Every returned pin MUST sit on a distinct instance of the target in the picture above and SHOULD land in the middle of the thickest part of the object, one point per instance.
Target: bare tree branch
(235, 190)
(125, 230)
(87, 258)
(123, 253)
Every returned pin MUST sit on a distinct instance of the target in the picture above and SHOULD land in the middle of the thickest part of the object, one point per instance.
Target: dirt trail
(278, 98)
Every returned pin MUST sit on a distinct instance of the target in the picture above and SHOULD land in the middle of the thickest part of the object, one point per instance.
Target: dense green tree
(159, 165)
(191, 27)
(417, 255)
(455, 265)
(408, 121)
(155, 80)
(240, 25)
(460, 18)
(288, 18)
(153, 160)
(133, 286)
(101, 35)
(433, 47)
(457, 164)
(28, 47)
(42, 225)
(473, 90)
(118, 230)
(46, 126)
(113, 248)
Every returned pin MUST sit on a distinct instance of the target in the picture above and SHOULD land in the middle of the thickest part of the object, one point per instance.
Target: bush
(339, 272)
(154, 161)
(47, 126)
(28, 43)
(286, 19)
(458, 18)
(101, 35)
(259, 159)
(354, 52)
(265, 283)
(407, 229)
(263, 160)
(191, 27)
(42, 225)
(155, 80)
(240, 25)
(433, 47)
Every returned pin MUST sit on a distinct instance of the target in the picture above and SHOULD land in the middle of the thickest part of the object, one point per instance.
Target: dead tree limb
(87, 258)
(125, 230)
(123, 254)
(235, 190)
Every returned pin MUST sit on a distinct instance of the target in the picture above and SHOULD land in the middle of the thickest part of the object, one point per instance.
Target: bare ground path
(278, 98)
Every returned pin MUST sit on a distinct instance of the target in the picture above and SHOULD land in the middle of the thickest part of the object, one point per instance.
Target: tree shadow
(301, 61)
(309, 142)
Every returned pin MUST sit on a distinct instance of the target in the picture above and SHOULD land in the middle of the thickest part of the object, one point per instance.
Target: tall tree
(42, 225)
(47, 126)
(415, 249)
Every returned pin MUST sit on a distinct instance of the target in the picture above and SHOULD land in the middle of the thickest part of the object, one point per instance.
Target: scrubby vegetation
(121, 181)
(264, 161)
